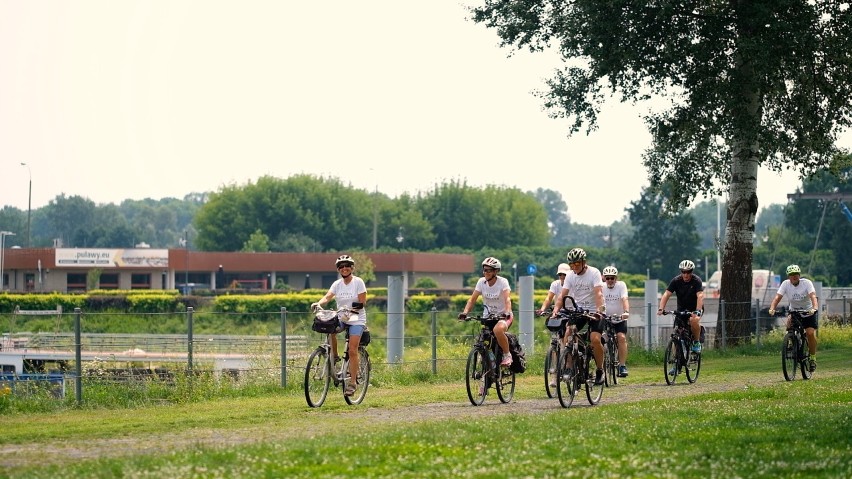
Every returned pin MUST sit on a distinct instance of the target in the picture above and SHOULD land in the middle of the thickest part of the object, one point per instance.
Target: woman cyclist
(349, 291)
(494, 290)
(555, 286)
(615, 299)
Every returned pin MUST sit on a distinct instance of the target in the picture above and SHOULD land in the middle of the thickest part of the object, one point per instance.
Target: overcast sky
(115, 100)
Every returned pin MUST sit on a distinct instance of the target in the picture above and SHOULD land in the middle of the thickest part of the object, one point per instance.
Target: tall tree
(750, 83)
(558, 221)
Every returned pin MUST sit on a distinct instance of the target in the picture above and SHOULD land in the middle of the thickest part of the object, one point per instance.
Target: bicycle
(483, 366)
(679, 355)
(610, 342)
(556, 326)
(794, 349)
(575, 359)
(320, 373)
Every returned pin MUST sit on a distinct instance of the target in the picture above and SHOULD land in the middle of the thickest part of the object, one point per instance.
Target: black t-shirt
(686, 292)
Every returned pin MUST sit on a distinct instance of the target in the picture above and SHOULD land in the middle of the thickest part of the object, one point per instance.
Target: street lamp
(29, 202)
(3, 235)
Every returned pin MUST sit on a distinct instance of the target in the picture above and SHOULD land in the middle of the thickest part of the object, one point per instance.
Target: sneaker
(812, 365)
(696, 347)
(350, 389)
(599, 377)
(482, 390)
(553, 383)
(507, 360)
(622, 371)
(673, 372)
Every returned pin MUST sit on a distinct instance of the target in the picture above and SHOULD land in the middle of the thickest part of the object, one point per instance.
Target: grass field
(741, 419)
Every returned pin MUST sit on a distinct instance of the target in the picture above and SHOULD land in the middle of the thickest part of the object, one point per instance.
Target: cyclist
(802, 295)
(615, 299)
(690, 297)
(348, 291)
(555, 287)
(583, 283)
(494, 290)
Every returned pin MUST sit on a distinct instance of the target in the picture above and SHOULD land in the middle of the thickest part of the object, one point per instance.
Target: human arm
(625, 306)
(469, 305)
(599, 299)
(774, 304)
(325, 299)
(560, 302)
(663, 300)
(699, 305)
(546, 302)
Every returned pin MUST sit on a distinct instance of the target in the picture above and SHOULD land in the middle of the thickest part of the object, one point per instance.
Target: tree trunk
(742, 206)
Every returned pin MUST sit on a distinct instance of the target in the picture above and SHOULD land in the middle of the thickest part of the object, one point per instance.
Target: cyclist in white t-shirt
(494, 290)
(615, 299)
(583, 283)
(802, 295)
(555, 287)
(349, 290)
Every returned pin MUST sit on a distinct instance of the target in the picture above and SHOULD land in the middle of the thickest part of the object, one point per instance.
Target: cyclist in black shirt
(689, 290)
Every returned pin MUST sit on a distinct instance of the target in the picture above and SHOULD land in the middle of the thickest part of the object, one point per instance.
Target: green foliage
(257, 243)
(40, 302)
(425, 282)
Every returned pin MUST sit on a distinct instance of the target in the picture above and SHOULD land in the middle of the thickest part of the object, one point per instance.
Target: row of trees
(306, 213)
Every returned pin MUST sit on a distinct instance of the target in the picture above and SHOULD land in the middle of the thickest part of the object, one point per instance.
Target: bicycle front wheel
(789, 356)
(476, 376)
(671, 363)
(505, 384)
(317, 377)
(611, 362)
(593, 391)
(363, 380)
(566, 387)
(550, 376)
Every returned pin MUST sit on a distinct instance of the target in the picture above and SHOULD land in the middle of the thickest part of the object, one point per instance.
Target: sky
(115, 100)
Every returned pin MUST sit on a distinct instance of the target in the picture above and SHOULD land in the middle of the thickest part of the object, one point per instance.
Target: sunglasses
(345, 265)
(488, 270)
(610, 278)
(561, 274)
(686, 271)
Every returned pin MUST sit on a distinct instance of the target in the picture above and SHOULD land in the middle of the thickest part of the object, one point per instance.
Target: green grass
(749, 422)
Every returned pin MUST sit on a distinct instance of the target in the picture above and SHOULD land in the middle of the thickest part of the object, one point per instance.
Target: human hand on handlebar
(462, 316)
(625, 315)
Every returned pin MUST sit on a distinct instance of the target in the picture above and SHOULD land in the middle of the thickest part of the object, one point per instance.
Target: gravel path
(51, 452)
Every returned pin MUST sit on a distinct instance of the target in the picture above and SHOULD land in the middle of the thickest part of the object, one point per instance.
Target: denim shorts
(356, 329)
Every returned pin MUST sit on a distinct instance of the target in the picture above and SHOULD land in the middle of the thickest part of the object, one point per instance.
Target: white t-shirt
(492, 296)
(613, 297)
(582, 287)
(555, 288)
(797, 295)
(346, 294)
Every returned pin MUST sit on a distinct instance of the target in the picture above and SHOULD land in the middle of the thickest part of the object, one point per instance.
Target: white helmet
(610, 271)
(686, 265)
(344, 258)
(491, 262)
(563, 269)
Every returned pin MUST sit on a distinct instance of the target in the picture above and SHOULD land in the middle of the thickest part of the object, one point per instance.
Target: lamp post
(29, 202)
(185, 243)
(3, 235)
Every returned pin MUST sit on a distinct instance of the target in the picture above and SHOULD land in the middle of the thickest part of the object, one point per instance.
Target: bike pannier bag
(519, 360)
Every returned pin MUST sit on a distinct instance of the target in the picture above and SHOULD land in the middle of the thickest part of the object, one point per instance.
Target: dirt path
(18, 455)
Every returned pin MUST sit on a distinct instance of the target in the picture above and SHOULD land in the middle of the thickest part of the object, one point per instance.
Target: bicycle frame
(678, 355)
(574, 361)
(611, 349)
(320, 372)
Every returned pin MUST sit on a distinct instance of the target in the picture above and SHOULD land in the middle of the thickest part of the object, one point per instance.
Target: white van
(764, 285)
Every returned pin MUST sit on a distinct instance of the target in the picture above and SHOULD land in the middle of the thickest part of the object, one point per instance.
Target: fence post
(283, 347)
(722, 322)
(648, 327)
(526, 323)
(396, 320)
(434, 341)
(78, 358)
(189, 339)
(757, 325)
(843, 321)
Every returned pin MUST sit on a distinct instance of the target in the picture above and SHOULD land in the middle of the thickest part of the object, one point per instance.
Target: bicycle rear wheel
(550, 376)
(317, 377)
(693, 366)
(476, 376)
(671, 363)
(505, 384)
(593, 391)
(789, 356)
(363, 380)
(804, 362)
(566, 386)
